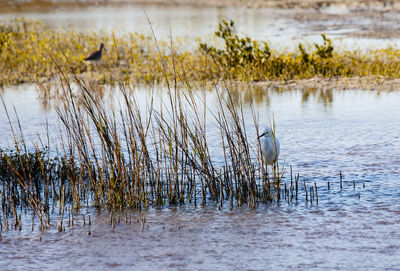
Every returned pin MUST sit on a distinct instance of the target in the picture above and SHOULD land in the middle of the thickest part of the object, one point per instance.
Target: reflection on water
(324, 96)
(261, 94)
(49, 95)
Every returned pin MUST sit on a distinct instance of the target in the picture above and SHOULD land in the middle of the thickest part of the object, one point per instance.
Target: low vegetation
(29, 52)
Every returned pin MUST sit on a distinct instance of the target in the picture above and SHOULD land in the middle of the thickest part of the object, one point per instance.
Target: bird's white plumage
(270, 146)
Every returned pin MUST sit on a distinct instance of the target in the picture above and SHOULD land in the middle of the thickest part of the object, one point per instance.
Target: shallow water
(358, 236)
(283, 29)
(321, 134)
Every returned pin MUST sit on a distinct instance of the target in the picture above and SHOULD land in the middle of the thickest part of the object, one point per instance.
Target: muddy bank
(388, 5)
(373, 83)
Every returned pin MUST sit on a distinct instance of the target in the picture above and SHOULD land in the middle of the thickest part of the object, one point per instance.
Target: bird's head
(267, 132)
(102, 47)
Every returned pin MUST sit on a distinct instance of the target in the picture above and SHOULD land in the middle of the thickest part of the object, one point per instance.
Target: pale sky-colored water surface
(283, 29)
(359, 235)
(321, 134)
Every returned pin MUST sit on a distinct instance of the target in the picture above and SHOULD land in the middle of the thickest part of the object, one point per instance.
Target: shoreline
(368, 83)
(357, 5)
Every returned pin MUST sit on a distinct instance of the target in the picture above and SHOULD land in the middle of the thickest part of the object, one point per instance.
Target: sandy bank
(373, 83)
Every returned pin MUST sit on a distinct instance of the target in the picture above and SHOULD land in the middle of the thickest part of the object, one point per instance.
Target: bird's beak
(263, 134)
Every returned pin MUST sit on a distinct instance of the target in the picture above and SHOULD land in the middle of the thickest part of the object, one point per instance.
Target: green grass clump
(245, 59)
(238, 52)
(29, 52)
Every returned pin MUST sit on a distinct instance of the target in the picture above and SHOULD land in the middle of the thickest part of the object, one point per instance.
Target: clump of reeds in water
(135, 158)
(130, 158)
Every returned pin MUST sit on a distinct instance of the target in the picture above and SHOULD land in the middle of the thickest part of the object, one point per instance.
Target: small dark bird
(96, 56)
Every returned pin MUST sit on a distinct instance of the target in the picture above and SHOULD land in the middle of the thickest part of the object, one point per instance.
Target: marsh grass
(127, 159)
(141, 156)
(137, 157)
(29, 52)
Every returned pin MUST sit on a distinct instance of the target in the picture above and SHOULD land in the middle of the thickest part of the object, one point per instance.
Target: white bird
(270, 146)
